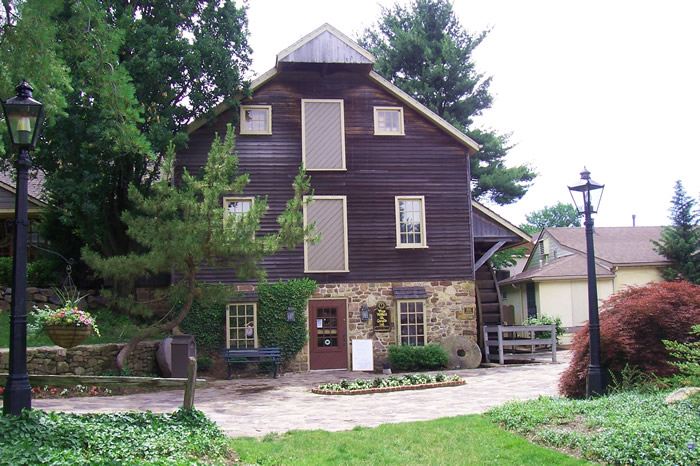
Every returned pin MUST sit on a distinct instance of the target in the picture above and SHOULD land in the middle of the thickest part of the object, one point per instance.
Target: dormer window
(388, 121)
(256, 119)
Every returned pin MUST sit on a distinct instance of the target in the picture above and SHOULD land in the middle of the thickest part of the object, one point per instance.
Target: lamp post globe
(586, 194)
(24, 117)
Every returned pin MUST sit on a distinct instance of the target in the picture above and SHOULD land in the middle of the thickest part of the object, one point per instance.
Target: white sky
(612, 85)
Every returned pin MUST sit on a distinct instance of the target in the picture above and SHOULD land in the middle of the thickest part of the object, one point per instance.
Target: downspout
(471, 218)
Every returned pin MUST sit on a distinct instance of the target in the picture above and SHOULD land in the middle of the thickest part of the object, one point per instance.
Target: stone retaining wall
(86, 359)
(47, 296)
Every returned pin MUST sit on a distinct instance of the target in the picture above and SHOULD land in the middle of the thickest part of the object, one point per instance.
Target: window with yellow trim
(237, 206)
(388, 121)
(256, 119)
(411, 323)
(410, 222)
(241, 325)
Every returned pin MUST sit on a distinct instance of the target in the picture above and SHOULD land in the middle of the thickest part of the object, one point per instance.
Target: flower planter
(68, 336)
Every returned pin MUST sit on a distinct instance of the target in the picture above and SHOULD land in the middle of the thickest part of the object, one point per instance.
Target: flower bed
(389, 384)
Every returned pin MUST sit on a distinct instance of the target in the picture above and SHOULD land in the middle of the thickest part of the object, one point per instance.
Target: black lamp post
(24, 117)
(591, 193)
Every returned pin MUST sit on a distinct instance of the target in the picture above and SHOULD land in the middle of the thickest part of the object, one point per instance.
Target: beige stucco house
(554, 280)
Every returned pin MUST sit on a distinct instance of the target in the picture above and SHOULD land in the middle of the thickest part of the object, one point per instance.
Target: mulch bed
(451, 383)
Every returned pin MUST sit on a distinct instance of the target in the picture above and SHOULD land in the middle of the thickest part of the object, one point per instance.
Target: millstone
(463, 351)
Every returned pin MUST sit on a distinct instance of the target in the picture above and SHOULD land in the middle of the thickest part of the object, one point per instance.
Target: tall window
(256, 119)
(410, 222)
(411, 323)
(323, 134)
(388, 121)
(241, 325)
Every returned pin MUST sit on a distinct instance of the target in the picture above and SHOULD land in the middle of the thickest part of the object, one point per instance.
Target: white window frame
(228, 199)
(342, 132)
(424, 233)
(345, 233)
(423, 302)
(268, 109)
(382, 132)
(255, 322)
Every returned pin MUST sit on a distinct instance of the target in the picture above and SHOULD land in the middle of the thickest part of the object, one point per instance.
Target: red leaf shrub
(632, 324)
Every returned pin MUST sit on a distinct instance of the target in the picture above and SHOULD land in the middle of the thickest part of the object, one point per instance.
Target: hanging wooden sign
(381, 317)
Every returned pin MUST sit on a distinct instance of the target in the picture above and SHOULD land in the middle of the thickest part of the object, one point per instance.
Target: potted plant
(67, 326)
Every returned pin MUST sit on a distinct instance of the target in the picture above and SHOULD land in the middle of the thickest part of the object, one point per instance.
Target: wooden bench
(246, 355)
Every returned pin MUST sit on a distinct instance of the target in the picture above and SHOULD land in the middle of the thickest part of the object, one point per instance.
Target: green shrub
(410, 358)
(688, 360)
(546, 320)
(42, 273)
(273, 328)
(204, 363)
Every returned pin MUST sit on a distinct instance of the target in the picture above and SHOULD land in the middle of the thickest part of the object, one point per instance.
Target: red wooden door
(328, 334)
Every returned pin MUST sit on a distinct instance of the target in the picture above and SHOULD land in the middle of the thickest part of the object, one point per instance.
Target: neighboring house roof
(35, 185)
(563, 268)
(613, 246)
(313, 48)
(618, 246)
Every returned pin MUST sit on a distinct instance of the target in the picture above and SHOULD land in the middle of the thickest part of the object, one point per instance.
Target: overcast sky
(612, 85)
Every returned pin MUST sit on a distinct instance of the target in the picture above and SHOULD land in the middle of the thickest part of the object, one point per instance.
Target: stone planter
(68, 336)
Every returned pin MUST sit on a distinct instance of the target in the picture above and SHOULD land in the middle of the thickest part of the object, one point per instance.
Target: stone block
(40, 298)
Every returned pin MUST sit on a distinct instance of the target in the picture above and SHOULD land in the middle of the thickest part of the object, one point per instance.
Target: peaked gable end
(325, 45)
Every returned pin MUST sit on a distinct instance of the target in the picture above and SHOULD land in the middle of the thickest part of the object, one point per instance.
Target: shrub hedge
(410, 358)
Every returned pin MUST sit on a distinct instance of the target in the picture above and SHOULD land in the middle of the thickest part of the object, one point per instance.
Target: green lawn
(456, 440)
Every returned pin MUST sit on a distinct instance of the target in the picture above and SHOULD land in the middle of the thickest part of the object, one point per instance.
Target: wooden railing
(188, 383)
(514, 340)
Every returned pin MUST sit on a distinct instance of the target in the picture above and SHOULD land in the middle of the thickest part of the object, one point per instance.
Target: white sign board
(362, 355)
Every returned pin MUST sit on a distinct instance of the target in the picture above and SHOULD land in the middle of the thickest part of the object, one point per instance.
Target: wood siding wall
(425, 162)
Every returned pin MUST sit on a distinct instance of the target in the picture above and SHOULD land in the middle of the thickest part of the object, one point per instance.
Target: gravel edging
(451, 383)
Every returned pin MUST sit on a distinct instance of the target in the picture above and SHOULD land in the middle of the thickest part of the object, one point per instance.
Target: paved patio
(255, 407)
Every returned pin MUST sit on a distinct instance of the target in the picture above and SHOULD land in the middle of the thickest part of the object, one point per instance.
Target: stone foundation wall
(450, 309)
(85, 360)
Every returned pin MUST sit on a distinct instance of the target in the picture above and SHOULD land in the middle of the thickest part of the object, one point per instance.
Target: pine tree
(425, 51)
(182, 226)
(680, 243)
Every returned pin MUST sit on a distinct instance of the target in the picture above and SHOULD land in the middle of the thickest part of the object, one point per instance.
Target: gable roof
(613, 246)
(619, 246)
(484, 214)
(328, 45)
(35, 186)
(563, 268)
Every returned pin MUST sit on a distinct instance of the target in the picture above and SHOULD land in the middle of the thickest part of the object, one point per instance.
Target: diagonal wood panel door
(328, 346)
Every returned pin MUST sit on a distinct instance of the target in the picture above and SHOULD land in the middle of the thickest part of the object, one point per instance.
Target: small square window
(236, 207)
(388, 121)
(256, 119)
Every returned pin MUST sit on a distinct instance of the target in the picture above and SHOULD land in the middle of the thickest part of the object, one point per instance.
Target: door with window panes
(328, 334)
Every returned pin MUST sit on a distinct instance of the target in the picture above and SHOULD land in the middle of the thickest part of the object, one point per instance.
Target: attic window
(256, 119)
(388, 121)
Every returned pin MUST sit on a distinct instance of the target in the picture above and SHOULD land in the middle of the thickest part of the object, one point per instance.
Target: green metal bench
(256, 355)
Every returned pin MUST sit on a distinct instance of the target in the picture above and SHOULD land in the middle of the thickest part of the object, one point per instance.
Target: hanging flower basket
(67, 336)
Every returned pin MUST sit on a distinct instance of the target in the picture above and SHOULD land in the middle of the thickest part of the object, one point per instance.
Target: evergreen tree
(181, 227)
(424, 50)
(120, 79)
(680, 242)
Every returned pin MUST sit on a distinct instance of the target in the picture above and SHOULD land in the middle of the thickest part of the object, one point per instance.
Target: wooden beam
(188, 402)
(106, 381)
(482, 260)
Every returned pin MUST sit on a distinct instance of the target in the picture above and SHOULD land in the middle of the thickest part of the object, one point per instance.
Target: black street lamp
(24, 117)
(591, 193)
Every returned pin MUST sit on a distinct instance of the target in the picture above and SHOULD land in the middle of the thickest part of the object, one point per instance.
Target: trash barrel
(182, 348)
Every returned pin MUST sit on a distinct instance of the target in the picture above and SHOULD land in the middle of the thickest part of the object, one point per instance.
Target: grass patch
(115, 328)
(457, 440)
(623, 428)
(37, 437)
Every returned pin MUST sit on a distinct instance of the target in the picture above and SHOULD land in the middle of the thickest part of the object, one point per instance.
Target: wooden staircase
(488, 300)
